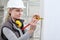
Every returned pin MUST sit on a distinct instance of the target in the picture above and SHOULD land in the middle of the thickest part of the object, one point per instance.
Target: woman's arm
(11, 36)
(27, 35)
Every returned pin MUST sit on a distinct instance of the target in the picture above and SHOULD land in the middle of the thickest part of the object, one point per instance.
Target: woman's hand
(33, 23)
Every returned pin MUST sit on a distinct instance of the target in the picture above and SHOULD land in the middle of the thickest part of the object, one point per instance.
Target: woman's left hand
(33, 24)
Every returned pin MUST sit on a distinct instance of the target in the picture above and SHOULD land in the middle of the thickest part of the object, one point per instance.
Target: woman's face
(16, 13)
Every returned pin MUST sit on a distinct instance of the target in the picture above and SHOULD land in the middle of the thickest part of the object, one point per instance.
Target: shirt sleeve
(25, 36)
(31, 35)
(11, 36)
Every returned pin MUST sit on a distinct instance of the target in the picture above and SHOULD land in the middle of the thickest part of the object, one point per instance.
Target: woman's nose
(20, 13)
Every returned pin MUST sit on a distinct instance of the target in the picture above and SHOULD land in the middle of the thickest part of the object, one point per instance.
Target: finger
(35, 22)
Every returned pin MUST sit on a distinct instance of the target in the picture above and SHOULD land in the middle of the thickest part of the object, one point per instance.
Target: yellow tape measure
(37, 17)
(19, 24)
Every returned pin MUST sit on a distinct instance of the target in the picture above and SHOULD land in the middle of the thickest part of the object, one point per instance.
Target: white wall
(51, 26)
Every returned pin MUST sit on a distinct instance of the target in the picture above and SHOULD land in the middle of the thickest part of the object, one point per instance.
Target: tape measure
(36, 17)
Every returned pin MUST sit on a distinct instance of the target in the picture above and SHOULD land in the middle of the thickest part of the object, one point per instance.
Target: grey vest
(9, 24)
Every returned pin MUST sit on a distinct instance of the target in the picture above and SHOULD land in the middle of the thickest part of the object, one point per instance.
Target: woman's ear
(10, 10)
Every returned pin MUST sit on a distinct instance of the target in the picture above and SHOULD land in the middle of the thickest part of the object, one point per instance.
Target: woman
(9, 30)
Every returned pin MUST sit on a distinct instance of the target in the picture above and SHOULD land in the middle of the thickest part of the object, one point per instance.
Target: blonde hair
(6, 15)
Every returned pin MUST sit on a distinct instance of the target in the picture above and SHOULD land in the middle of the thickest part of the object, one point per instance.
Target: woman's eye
(19, 10)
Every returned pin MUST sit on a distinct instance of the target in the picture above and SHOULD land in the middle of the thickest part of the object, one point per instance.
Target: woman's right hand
(33, 24)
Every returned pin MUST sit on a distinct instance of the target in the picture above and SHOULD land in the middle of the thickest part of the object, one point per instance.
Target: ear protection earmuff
(19, 23)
